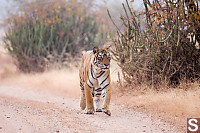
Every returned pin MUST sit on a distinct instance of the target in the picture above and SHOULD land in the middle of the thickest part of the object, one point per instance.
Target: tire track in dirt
(34, 111)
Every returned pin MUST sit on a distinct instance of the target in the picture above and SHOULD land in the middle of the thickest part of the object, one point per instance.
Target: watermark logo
(193, 125)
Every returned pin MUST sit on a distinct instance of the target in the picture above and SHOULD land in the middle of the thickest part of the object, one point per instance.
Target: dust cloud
(7, 66)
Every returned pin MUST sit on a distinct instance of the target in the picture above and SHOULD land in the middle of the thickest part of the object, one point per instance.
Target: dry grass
(174, 105)
(61, 82)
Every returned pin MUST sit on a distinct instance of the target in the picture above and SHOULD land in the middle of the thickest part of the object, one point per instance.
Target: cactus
(54, 28)
(161, 52)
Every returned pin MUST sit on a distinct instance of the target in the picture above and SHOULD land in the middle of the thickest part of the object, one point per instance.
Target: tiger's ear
(95, 50)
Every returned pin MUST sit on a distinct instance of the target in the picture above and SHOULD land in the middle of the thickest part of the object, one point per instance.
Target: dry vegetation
(43, 33)
(161, 52)
(173, 105)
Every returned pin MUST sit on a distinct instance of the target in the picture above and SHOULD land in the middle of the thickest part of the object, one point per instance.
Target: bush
(51, 31)
(161, 51)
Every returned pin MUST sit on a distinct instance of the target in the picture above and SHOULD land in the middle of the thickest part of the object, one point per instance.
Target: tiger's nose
(107, 64)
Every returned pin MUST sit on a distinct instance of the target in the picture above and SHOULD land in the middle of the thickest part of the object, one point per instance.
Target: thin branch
(160, 41)
(133, 16)
(143, 69)
(113, 21)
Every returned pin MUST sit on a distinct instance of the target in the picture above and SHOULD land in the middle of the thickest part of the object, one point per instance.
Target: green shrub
(162, 51)
(51, 31)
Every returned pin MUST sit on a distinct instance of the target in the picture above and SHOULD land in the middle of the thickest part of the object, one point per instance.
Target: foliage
(52, 31)
(163, 51)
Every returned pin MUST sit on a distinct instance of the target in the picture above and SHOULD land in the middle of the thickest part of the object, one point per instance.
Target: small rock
(1, 127)
(8, 117)
(57, 131)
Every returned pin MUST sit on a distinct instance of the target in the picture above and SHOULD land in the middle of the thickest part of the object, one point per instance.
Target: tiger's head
(102, 58)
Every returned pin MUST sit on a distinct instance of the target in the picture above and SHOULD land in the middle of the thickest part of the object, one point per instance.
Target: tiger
(95, 81)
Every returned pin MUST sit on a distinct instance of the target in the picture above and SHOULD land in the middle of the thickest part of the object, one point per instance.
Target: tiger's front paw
(90, 112)
(107, 112)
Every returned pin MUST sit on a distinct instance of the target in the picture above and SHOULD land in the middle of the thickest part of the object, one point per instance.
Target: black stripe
(105, 86)
(101, 74)
(81, 84)
(90, 82)
(89, 86)
(92, 73)
(94, 61)
(98, 89)
(98, 94)
(104, 80)
(104, 94)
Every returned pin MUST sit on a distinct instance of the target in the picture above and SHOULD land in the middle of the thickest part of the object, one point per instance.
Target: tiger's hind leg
(97, 94)
(83, 100)
(89, 99)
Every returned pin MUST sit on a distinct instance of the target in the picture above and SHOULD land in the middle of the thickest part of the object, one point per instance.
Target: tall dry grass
(173, 105)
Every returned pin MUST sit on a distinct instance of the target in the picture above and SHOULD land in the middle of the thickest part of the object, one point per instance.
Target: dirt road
(27, 110)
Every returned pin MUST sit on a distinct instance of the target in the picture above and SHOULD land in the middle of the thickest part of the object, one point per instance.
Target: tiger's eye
(100, 56)
(108, 56)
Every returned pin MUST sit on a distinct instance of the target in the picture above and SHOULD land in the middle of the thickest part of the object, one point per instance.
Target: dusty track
(37, 111)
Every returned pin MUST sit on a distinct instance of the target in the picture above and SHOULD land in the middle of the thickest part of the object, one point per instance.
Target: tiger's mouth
(103, 67)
